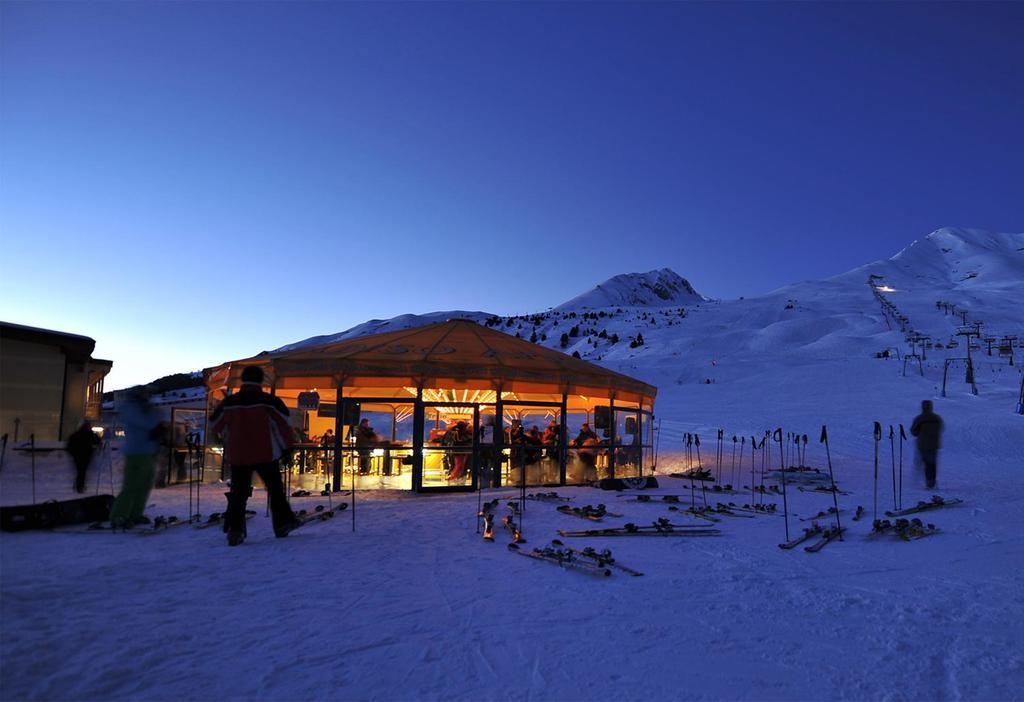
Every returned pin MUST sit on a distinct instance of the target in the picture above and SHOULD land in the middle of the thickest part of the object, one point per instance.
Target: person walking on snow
(81, 445)
(142, 433)
(927, 427)
(256, 434)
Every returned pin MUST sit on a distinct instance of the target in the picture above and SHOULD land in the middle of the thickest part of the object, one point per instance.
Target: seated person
(458, 437)
(550, 439)
(366, 437)
(587, 453)
(585, 433)
(532, 438)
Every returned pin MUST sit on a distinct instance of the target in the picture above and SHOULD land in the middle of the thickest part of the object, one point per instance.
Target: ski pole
(878, 437)
(99, 470)
(110, 460)
(700, 466)
(189, 458)
(785, 502)
(753, 445)
(892, 456)
(832, 477)
(32, 441)
(657, 445)
(718, 454)
(479, 497)
(903, 437)
(353, 498)
(732, 466)
(689, 468)
(764, 462)
(804, 460)
(199, 467)
(739, 464)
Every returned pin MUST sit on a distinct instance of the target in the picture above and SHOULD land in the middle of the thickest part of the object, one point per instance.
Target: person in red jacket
(256, 434)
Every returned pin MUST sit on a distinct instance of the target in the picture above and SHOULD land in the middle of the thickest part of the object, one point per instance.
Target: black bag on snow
(52, 513)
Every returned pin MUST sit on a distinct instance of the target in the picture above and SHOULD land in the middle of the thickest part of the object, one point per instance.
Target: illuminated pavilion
(414, 385)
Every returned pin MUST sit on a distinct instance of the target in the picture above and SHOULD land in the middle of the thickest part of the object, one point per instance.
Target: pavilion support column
(499, 439)
(339, 407)
(417, 440)
(611, 436)
(563, 439)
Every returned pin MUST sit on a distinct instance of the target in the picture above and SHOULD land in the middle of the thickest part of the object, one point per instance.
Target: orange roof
(459, 351)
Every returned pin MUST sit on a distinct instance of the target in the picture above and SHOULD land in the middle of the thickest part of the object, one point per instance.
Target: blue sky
(193, 182)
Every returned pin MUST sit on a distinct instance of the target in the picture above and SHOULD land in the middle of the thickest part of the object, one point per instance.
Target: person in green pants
(142, 429)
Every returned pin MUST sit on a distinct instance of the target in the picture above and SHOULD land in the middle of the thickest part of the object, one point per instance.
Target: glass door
(451, 445)
(376, 446)
(629, 444)
(533, 444)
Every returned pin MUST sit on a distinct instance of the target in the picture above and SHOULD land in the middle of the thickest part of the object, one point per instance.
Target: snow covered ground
(414, 605)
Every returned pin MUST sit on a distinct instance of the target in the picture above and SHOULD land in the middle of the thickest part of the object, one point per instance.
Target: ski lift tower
(914, 340)
(1006, 346)
(967, 333)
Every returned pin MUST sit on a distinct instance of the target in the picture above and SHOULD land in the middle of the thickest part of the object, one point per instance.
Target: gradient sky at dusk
(193, 182)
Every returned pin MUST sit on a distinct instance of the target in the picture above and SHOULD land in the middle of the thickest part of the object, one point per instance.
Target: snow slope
(413, 605)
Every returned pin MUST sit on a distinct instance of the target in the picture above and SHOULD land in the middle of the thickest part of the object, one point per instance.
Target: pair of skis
(564, 559)
(220, 519)
(906, 529)
(548, 497)
(594, 514)
(936, 502)
(319, 513)
(509, 522)
(827, 536)
(822, 488)
(603, 557)
(662, 527)
(830, 513)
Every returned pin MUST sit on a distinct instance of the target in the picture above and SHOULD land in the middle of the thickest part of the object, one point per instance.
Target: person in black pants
(927, 427)
(254, 426)
(81, 445)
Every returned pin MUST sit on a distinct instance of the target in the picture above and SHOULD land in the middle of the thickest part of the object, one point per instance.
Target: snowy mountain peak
(660, 288)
